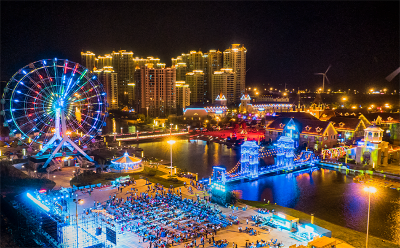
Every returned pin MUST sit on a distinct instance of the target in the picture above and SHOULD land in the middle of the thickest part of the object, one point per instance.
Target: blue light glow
(44, 207)
(18, 91)
(23, 71)
(94, 78)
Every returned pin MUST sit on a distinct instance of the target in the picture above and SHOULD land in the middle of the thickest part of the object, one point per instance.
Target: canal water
(330, 195)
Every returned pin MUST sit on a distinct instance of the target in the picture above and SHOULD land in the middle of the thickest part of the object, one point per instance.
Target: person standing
(247, 221)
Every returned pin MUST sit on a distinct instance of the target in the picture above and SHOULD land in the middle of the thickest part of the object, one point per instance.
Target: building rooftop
(297, 115)
(305, 126)
(345, 123)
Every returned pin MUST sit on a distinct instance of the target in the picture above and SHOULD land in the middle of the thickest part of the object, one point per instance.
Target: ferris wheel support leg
(54, 153)
(78, 149)
(66, 140)
(51, 141)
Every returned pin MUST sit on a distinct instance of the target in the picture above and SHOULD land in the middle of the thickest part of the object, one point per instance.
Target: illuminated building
(223, 81)
(88, 60)
(372, 150)
(123, 65)
(181, 70)
(195, 80)
(155, 89)
(220, 100)
(182, 96)
(195, 61)
(349, 129)
(109, 79)
(235, 58)
(390, 123)
(245, 104)
(275, 105)
(214, 63)
(103, 61)
(313, 134)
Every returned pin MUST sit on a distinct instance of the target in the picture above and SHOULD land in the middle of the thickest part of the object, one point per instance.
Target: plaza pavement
(231, 234)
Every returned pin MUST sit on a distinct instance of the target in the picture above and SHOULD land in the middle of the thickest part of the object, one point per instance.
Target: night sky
(287, 42)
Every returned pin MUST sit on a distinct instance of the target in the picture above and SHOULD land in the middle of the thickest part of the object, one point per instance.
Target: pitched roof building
(314, 134)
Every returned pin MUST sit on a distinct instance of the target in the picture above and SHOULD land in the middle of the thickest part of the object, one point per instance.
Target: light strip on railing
(150, 136)
(37, 202)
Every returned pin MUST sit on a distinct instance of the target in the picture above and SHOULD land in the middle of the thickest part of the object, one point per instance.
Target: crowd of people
(163, 217)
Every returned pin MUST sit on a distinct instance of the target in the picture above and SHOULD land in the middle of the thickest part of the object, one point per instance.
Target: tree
(142, 117)
(102, 164)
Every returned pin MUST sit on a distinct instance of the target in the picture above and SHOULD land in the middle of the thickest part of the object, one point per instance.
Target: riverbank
(382, 178)
(354, 238)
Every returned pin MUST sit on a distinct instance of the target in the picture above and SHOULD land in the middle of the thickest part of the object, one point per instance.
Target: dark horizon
(287, 42)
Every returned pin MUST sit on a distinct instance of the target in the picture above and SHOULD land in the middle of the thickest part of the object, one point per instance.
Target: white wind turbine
(393, 75)
(323, 78)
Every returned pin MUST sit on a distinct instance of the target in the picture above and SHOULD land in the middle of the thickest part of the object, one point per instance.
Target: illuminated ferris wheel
(54, 96)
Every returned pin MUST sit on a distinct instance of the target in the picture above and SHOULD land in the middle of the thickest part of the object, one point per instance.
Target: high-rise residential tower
(195, 80)
(155, 90)
(109, 79)
(123, 65)
(235, 58)
(224, 82)
(88, 60)
(103, 61)
(214, 63)
(182, 96)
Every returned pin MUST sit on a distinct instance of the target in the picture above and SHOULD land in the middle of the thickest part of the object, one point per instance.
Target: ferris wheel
(56, 98)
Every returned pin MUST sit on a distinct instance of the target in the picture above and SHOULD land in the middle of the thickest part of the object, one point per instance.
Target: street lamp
(170, 130)
(369, 190)
(121, 129)
(171, 142)
(77, 201)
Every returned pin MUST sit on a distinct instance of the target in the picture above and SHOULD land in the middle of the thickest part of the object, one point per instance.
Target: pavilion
(125, 163)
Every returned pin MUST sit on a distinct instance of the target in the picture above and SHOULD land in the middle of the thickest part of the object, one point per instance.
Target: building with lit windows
(195, 80)
(109, 79)
(218, 109)
(214, 63)
(181, 70)
(223, 81)
(103, 61)
(155, 91)
(273, 106)
(314, 134)
(182, 96)
(88, 60)
(235, 58)
(123, 65)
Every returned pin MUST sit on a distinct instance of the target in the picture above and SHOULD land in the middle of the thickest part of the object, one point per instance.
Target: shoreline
(350, 236)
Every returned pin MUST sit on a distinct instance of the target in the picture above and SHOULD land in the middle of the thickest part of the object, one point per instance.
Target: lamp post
(147, 108)
(121, 129)
(344, 99)
(369, 190)
(170, 130)
(171, 142)
(77, 201)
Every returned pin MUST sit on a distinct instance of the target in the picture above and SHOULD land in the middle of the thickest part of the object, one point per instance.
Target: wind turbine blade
(393, 75)
(327, 79)
(318, 73)
(328, 69)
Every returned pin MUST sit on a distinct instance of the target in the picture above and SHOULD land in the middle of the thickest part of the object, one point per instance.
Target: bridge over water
(248, 166)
